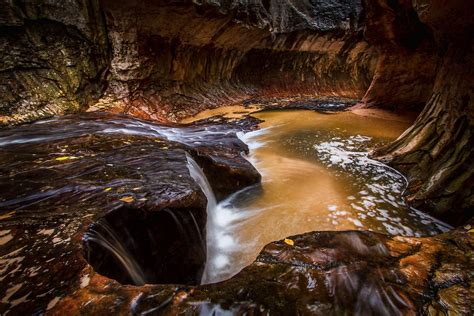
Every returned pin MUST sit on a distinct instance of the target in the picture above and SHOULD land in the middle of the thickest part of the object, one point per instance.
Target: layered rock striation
(165, 60)
(437, 151)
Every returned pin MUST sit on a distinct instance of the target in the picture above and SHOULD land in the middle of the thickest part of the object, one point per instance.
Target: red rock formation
(173, 59)
(164, 60)
(322, 273)
(407, 61)
(437, 151)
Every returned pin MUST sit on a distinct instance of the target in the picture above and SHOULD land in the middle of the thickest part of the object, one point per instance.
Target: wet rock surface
(318, 273)
(165, 60)
(322, 104)
(67, 181)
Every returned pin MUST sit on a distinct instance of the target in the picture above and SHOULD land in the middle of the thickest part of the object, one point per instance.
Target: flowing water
(316, 175)
(105, 236)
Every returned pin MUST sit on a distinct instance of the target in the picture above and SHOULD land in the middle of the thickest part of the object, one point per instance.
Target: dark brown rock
(67, 181)
(53, 58)
(322, 273)
(436, 152)
(165, 60)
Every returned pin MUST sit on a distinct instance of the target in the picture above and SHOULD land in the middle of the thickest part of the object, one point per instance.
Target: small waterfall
(102, 234)
(198, 175)
(223, 219)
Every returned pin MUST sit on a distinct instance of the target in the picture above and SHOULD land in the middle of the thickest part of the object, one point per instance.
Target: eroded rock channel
(121, 191)
(129, 180)
(99, 202)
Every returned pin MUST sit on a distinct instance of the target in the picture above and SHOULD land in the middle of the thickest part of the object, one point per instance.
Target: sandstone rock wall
(53, 57)
(164, 60)
(437, 151)
(172, 59)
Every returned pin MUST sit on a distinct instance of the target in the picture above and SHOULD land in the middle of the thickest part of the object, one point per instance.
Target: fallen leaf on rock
(65, 158)
(289, 242)
(107, 189)
(127, 199)
(471, 230)
(7, 215)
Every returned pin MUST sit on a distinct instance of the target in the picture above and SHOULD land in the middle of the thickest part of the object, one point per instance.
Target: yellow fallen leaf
(7, 215)
(107, 189)
(289, 242)
(127, 199)
(471, 230)
(65, 158)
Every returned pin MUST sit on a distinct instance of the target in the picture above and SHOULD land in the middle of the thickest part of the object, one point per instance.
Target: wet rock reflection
(126, 177)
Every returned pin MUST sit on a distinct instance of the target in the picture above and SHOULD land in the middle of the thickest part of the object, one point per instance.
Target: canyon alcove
(277, 157)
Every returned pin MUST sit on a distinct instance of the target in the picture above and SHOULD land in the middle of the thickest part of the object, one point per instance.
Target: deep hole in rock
(137, 246)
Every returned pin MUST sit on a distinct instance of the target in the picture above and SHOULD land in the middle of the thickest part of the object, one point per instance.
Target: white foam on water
(381, 184)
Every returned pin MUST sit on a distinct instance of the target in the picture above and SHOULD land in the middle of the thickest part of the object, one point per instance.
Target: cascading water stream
(103, 235)
(222, 219)
(314, 177)
(198, 175)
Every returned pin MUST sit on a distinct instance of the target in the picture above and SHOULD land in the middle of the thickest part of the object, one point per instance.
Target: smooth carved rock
(323, 273)
(66, 181)
(436, 152)
(164, 60)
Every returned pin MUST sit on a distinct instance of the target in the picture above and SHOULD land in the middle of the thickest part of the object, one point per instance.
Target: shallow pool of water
(316, 175)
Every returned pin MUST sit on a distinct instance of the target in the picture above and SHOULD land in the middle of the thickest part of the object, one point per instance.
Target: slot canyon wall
(164, 60)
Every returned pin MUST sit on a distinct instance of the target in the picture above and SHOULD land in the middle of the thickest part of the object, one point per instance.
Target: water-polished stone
(322, 273)
(59, 176)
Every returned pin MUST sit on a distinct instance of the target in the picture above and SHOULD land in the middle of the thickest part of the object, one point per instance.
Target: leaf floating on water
(7, 215)
(65, 158)
(289, 242)
(127, 199)
(107, 189)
